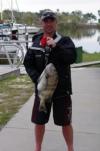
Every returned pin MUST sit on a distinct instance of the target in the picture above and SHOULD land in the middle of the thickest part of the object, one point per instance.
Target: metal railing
(13, 51)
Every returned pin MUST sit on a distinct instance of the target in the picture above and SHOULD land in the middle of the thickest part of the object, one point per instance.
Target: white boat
(5, 31)
(22, 29)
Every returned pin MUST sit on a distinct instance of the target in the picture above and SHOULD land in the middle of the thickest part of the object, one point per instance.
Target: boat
(11, 37)
(22, 29)
(5, 31)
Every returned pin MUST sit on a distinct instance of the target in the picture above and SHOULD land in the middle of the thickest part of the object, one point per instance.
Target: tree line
(30, 18)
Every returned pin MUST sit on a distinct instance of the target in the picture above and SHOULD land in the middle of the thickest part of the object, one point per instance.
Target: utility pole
(12, 15)
(1, 12)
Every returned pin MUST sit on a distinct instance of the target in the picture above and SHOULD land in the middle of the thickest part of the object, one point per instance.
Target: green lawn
(90, 57)
(14, 92)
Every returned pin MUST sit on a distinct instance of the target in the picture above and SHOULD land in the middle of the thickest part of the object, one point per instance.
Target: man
(50, 47)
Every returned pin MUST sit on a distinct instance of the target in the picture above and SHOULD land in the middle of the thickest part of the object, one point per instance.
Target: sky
(63, 5)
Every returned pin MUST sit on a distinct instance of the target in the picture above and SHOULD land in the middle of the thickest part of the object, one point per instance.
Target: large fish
(46, 85)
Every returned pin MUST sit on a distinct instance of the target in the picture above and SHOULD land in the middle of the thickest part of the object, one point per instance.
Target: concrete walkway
(18, 134)
(6, 70)
(85, 64)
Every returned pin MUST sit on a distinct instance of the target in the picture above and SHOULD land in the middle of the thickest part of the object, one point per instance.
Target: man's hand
(51, 42)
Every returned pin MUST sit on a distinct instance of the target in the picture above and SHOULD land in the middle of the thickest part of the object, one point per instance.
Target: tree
(7, 14)
(89, 17)
(99, 16)
(99, 12)
(28, 18)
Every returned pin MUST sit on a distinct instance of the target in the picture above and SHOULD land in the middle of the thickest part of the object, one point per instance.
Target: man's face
(49, 25)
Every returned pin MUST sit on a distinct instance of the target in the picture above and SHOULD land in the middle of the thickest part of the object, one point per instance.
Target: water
(90, 44)
(89, 39)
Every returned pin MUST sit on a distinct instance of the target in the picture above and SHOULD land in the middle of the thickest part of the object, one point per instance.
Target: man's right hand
(51, 42)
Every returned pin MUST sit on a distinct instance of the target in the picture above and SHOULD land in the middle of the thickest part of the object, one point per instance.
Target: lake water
(90, 43)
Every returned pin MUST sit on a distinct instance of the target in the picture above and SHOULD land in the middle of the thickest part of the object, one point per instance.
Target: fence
(13, 52)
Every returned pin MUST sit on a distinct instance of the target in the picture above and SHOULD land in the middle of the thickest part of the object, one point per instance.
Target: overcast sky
(63, 5)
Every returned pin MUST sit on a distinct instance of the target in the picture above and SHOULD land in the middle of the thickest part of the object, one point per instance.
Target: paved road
(18, 133)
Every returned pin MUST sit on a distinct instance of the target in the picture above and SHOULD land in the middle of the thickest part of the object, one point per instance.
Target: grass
(14, 92)
(91, 57)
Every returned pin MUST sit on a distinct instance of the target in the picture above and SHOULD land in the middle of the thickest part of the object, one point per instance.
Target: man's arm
(65, 51)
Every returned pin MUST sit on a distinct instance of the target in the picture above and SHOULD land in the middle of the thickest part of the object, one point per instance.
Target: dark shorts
(62, 111)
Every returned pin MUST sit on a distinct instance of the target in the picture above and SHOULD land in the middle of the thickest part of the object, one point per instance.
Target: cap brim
(48, 17)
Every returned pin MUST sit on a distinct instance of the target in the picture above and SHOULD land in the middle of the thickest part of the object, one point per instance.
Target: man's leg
(39, 118)
(68, 136)
(39, 133)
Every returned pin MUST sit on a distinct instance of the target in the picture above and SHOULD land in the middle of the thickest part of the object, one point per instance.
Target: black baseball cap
(48, 15)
